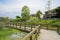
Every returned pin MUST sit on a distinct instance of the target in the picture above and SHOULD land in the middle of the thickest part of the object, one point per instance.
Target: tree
(38, 14)
(25, 13)
(5, 19)
(18, 18)
(58, 12)
(33, 21)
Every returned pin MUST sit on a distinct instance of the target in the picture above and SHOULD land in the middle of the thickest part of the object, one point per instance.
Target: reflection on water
(11, 34)
(16, 36)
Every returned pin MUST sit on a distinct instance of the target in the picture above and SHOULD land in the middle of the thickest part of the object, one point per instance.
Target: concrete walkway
(48, 35)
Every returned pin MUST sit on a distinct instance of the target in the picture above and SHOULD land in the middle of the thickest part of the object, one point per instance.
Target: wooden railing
(31, 36)
(33, 33)
(55, 27)
(18, 25)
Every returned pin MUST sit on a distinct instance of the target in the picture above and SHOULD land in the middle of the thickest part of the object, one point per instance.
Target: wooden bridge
(33, 30)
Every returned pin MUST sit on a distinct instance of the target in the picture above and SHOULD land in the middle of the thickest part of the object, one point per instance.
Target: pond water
(17, 36)
(13, 36)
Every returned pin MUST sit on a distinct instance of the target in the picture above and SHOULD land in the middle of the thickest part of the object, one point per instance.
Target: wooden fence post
(57, 29)
(31, 27)
(36, 35)
(30, 37)
(20, 26)
(25, 27)
(47, 26)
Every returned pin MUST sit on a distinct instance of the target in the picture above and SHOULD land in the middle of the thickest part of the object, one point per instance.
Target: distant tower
(48, 9)
(48, 5)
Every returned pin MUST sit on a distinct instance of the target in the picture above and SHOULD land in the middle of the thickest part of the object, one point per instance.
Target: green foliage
(58, 12)
(12, 20)
(5, 19)
(57, 21)
(17, 16)
(50, 22)
(18, 19)
(44, 22)
(25, 13)
(38, 14)
(34, 21)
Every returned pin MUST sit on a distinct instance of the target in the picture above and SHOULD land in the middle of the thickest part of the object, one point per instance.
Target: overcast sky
(12, 8)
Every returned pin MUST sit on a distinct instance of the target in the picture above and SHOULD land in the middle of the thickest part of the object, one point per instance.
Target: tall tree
(25, 13)
(38, 14)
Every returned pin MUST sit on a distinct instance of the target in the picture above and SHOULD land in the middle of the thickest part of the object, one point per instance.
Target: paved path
(48, 35)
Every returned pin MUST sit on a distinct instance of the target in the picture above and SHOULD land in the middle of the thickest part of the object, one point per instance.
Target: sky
(12, 8)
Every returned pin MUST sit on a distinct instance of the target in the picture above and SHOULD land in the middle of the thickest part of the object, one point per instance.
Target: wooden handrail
(31, 33)
(18, 26)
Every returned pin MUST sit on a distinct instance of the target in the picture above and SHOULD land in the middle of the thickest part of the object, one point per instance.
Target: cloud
(13, 6)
